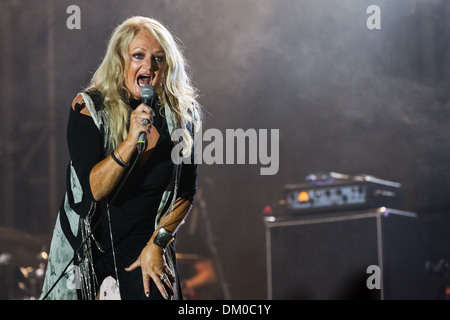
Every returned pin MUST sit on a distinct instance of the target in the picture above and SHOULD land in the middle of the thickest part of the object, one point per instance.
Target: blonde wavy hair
(174, 89)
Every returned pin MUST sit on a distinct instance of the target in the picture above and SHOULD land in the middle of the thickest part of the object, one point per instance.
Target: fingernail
(147, 294)
(166, 296)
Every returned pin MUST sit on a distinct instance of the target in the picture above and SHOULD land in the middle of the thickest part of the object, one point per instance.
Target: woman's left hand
(153, 266)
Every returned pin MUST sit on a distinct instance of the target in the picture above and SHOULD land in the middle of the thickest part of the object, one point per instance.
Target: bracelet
(120, 163)
(163, 238)
(120, 158)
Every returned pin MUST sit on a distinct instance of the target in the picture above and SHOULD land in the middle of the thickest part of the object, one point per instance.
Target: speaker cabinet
(327, 256)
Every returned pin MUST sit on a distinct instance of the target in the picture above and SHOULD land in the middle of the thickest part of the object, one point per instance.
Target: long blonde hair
(175, 88)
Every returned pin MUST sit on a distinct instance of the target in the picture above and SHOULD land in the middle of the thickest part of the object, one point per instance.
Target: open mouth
(144, 79)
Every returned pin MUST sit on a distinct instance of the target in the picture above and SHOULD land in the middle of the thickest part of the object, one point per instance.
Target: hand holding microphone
(147, 93)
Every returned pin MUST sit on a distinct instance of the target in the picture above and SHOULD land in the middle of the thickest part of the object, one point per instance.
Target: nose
(154, 65)
(150, 64)
(147, 64)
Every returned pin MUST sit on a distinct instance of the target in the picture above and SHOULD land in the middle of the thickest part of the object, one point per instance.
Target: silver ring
(163, 277)
(145, 122)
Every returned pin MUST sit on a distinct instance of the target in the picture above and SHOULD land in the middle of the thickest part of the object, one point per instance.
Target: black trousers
(130, 282)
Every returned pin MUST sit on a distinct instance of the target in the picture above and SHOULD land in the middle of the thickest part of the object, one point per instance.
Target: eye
(158, 58)
(138, 56)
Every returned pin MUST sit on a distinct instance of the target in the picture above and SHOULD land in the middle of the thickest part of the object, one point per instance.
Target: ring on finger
(145, 122)
(163, 277)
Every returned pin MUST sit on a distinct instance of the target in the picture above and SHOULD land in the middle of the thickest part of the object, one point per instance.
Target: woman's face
(146, 65)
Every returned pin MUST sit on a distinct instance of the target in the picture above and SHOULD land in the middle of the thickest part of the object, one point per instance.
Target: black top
(134, 209)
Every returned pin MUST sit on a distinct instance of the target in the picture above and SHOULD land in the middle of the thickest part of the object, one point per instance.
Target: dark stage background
(345, 98)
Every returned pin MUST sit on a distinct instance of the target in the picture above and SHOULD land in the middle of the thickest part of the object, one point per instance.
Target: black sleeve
(187, 186)
(85, 143)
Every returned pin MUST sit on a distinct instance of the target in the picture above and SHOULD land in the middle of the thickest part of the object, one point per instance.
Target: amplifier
(342, 194)
(326, 257)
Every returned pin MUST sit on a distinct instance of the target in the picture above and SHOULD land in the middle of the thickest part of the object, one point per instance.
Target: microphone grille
(147, 91)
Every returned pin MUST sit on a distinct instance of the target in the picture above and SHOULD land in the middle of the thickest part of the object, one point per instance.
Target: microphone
(147, 92)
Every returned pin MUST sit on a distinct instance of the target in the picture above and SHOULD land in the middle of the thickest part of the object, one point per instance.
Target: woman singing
(123, 205)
